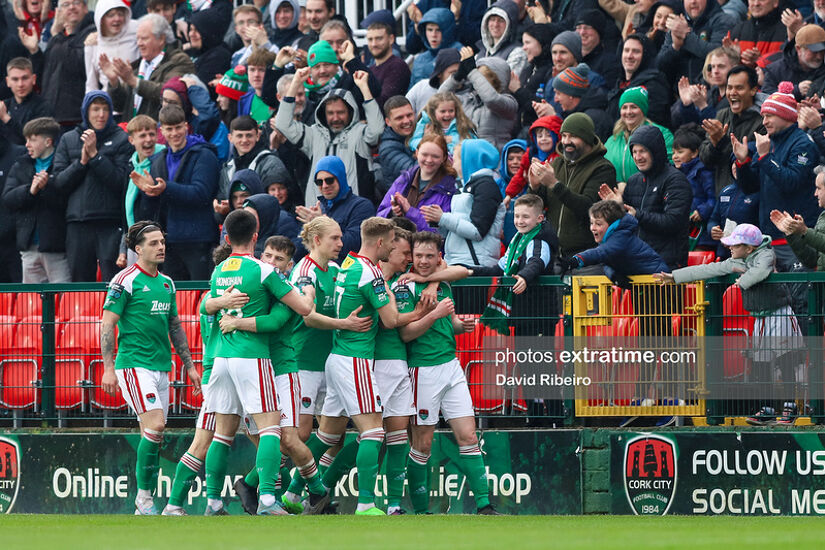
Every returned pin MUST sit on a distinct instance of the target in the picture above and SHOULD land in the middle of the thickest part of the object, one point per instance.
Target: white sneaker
(145, 507)
(173, 511)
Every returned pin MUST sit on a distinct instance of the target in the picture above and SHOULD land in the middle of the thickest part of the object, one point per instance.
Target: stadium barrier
(50, 363)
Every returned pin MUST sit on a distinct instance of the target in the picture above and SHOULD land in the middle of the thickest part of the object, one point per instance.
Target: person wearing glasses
(63, 66)
(336, 200)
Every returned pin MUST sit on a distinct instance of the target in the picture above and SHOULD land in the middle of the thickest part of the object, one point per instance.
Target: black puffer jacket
(647, 75)
(662, 197)
(536, 72)
(594, 105)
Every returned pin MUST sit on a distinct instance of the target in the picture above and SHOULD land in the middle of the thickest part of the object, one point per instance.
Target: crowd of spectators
(693, 115)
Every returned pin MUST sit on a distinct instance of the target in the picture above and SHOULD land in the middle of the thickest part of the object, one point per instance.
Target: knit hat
(378, 16)
(781, 103)
(592, 18)
(444, 58)
(744, 233)
(573, 80)
(570, 40)
(580, 125)
(321, 52)
(234, 83)
(637, 96)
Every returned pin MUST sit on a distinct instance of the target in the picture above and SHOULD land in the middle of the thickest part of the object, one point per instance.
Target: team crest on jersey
(306, 402)
(378, 400)
(168, 288)
(232, 264)
(151, 398)
(9, 474)
(423, 414)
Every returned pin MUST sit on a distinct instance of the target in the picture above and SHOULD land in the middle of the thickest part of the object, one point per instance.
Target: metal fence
(50, 363)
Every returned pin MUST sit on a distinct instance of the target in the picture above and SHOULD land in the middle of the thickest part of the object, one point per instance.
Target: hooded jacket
(64, 71)
(784, 177)
(174, 63)
(519, 180)
(346, 208)
(508, 47)
(493, 113)
(394, 156)
(650, 77)
(474, 224)
(704, 194)
(123, 45)
(788, 68)
(662, 197)
(758, 297)
(707, 32)
(594, 105)
(213, 57)
(353, 145)
(207, 123)
(95, 191)
(619, 154)
(424, 62)
(622, 252)
(468, 26)
(441, 193)
(43, 214)
(274, 221)
(503, 169)
(290, 35)
(570, 199)
(535, 73)
(185, 207)
(260, 159)
(719, 157)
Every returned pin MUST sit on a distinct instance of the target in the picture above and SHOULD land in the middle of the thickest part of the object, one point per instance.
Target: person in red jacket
(544, 136)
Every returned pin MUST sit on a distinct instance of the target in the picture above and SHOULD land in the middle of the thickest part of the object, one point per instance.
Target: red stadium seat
(77, 345)
(80, 304)
(699, 257)
(188, 399)
(737, 327)
(28, 304)
(100, 399)
(487, 396)
(192, 326)
(188, 301)
(7, 303)
(19, 383)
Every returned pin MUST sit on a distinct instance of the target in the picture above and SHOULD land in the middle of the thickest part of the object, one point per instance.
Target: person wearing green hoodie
(143, 136)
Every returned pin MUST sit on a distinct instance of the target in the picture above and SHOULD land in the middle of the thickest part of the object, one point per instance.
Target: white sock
(292, 497)
(362, 506)
(267, 500)
(172, 507)
(215, 503)
(144, 494)
(392, 509)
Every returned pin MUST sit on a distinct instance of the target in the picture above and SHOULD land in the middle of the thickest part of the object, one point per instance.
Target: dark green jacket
(810, 247)
(718, 157)
(578, 188)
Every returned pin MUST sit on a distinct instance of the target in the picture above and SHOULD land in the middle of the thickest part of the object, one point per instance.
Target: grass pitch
(396, 533)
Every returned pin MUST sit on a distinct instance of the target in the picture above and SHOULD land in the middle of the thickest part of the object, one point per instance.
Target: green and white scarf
(497, 313)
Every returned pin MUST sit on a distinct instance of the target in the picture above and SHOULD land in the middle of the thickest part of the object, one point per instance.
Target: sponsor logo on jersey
(145, 288)
(9, 474)
(650, 474)
(232, 264)
(378, 286)
(151, 398)
(115, 291)
(347, 262)
(303, 281)
(160, 307)
(423, 414)
(306, 402)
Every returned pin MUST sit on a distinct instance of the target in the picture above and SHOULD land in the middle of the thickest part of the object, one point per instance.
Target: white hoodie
(122, 45)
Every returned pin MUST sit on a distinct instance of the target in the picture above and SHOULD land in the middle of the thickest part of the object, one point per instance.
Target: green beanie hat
(234, 83)
(321, 52)
(580, 125)
(637, 96)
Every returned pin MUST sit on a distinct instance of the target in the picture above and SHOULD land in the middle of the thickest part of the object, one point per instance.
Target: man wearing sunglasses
(336, 200)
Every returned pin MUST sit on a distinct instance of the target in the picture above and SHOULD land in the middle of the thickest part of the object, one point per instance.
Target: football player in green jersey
(278, 252)
(438, 381)
(192, 460)
(242, 379)
(141, 302)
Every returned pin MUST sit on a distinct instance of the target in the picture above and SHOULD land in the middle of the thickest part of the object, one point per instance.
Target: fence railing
(51, 367)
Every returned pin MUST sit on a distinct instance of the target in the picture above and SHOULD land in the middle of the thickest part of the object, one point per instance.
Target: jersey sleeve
(117, 297)
(173, 310)
(301, 277)
(274, 320)
(277, 284)
(375, 292)
(405, 298)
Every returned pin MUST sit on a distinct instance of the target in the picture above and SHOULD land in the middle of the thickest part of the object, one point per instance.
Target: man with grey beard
(570, 184)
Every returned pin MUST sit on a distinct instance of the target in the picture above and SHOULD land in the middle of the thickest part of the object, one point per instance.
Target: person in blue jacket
(735, 205)
(467, 21)
(337, 201)
(618, 247)
(435, 41)
(178, 194)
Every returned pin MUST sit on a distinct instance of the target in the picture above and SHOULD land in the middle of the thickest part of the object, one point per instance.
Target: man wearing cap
(780, 166)
(590, 26)
(136, 88)
(801, 62)
(570, 184)
(691, 36)
(574, 94)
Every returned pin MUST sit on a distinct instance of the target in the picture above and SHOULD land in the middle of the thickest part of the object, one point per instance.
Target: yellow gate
(638, 352)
